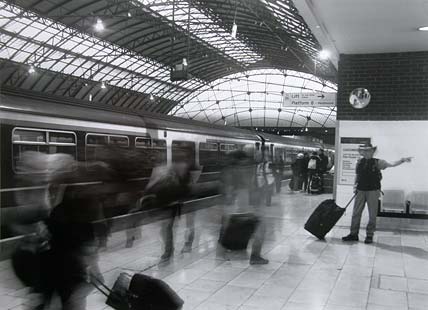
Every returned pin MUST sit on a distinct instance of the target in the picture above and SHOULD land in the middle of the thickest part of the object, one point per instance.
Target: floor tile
(387, 298)
(303, 274)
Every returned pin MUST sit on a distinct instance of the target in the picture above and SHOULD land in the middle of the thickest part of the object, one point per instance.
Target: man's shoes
(368, 240)
(258, 260)
(350, 237)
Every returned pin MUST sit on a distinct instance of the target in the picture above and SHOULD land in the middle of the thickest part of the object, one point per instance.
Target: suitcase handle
(353, 197)
(99, 285)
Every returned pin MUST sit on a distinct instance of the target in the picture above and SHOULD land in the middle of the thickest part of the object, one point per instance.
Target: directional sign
(309, 99)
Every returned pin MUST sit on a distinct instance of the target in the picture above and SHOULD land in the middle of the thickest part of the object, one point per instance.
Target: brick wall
(397, 82)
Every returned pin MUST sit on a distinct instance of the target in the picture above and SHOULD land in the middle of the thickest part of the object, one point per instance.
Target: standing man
(367, 189)
(323, 163)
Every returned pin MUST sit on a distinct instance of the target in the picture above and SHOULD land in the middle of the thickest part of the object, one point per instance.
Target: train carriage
(143, 140)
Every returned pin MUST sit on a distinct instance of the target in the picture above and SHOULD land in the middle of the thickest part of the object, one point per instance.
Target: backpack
(312, 164)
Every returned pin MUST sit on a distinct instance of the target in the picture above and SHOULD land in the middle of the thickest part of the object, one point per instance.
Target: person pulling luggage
(248, 199)
(367, 188)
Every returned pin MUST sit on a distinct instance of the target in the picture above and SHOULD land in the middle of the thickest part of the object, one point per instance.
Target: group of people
(305, 167)
(71, 221)
(65, 249)
(66, 224)
(61, 255)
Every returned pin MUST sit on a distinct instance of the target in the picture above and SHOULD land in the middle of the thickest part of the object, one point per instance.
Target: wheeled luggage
(324, 217)
(315, 186)
(237, 230)
(139, 292)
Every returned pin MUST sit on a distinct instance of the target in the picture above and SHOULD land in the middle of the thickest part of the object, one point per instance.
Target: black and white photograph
(213, 154)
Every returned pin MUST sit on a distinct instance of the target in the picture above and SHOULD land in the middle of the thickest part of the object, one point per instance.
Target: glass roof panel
(257, 98)
(198, 27)
(84, 49)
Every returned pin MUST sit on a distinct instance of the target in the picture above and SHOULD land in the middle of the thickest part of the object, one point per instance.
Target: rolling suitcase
(324, 217)
(139, 292)
(237, 230)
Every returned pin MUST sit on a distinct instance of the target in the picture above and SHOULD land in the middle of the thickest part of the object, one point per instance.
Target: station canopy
(258, 99)
(121, 53)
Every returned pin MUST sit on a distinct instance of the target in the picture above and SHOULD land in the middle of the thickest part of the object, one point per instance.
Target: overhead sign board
(309, 99)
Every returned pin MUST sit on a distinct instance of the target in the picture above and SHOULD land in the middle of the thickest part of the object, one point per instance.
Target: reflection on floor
(303, 273)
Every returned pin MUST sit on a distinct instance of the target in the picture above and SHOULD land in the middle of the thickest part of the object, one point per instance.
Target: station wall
(397, 82)
(396, 118)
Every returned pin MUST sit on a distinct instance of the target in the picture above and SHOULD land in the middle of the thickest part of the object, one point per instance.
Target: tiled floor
(303, 273)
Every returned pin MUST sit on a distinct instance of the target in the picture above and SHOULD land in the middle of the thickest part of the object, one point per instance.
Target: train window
(62, 137)
(28, 135)
(143, 142)
(227, 147)
(41, 141)
(118, 140)
(161, 144)
(96, 139)
(208, 146)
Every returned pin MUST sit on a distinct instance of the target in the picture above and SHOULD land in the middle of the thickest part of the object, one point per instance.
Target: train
(88, 131)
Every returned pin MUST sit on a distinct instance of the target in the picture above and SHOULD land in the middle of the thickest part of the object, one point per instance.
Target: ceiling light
(90, 97)
(423, 28)
(152, 97)
(103, 85)
(306, 129)
(184, 62)
(324, 54)
(31, 70)
(99, 26)
(234, 30)
(129, 14)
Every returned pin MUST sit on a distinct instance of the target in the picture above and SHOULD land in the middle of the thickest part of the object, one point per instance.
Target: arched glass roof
(122, 53)
(256, 99)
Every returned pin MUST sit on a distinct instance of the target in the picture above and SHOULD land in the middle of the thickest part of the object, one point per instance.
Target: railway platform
(303, 273)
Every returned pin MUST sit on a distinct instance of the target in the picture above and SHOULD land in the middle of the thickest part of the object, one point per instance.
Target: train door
(209, 156)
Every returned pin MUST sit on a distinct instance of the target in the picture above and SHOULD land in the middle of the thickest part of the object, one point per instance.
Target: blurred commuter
(264, 179)
(305, 171)
(120, 195)
(323, 161)
(323, 164)
(297, 168)
(248, 196)
(171, 185)
(66, 255)
(367, 188)
(270, 181)
(279, 173)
